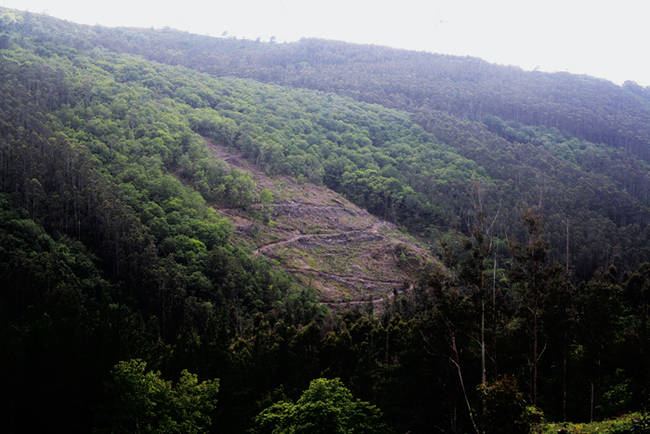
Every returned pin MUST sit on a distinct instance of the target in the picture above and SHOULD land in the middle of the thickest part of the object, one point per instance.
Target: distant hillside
(578, 146)
(589, 108)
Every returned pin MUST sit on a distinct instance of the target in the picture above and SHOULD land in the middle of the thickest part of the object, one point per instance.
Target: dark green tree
(528, 277)
(141, 401)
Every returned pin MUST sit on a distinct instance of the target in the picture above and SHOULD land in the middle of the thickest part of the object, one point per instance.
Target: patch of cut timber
(350, 256)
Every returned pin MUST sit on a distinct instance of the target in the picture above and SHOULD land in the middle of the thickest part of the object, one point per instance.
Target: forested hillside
(130, 304)
(593, 109)
(579, 144)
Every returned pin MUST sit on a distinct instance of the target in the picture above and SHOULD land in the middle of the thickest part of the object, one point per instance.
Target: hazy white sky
(607, 39)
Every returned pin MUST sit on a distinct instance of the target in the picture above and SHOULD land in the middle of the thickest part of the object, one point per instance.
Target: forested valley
(131, 303)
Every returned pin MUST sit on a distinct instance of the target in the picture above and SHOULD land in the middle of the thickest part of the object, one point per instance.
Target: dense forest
(128, 305)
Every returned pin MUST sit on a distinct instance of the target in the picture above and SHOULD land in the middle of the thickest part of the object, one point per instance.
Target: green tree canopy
(143, 402)
(327, 406)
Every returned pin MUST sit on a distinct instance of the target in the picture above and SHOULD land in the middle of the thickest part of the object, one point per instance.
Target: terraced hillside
(324, 240)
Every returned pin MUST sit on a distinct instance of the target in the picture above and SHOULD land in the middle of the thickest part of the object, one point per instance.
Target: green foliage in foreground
(326, 407)
(143, 402)
(633, 423)
(506, 409)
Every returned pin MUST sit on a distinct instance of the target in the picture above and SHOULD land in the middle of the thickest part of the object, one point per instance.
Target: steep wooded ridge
(589, 108)
(578, 145)
(259, 215)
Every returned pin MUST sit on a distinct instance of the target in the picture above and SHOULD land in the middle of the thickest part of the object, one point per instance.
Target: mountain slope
(480, 117)
(590, 108)
(131, 114)
(124, 237)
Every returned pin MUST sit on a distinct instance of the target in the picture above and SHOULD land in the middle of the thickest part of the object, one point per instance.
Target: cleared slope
(324, 240)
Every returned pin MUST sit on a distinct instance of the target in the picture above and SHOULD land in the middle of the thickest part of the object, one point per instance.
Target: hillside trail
(375, 301)
(372, 229)
(344, 279)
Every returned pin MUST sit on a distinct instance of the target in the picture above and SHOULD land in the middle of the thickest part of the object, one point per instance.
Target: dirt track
(350, 235)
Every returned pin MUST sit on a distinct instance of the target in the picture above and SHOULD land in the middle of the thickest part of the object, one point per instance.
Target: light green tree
(327, 406)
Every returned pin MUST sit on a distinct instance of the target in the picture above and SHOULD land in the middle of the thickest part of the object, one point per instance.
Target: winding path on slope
(323, 236)
(345, 278)
(374, 301)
